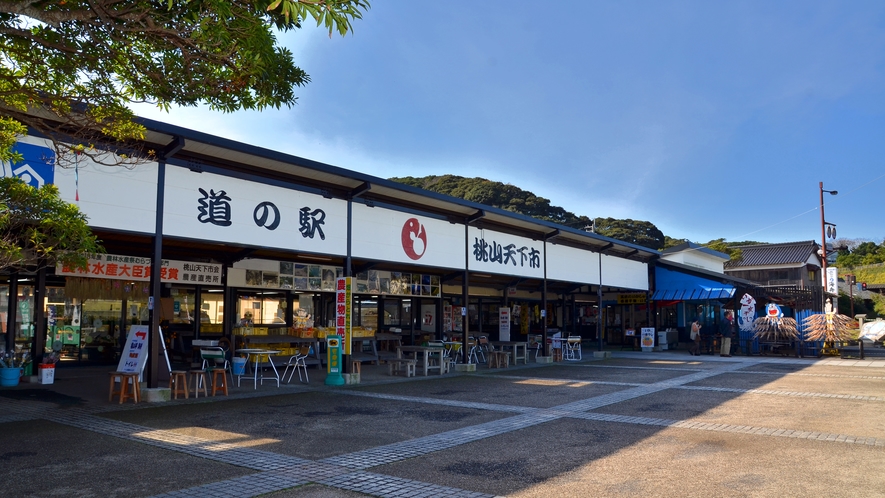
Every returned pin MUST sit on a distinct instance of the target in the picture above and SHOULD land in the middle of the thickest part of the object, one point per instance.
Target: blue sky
(709, 119)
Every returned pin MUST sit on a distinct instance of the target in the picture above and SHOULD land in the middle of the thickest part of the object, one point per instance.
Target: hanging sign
(135, 268)
(636, 298)
(832, 277)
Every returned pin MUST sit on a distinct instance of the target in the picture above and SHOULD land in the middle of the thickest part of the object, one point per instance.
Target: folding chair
(216, 357)
(573, 348)
(453, 351)
(297, 363)
(474, 351)
(484, 347)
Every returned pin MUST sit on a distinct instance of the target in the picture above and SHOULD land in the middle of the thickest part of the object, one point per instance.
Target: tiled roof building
(785, 264)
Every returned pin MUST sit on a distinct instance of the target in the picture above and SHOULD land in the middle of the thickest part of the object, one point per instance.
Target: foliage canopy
(39, 229)
(69, 69)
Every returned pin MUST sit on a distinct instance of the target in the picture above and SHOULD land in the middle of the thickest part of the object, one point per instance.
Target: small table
(514, 346)
(256, 355)
(428, 353)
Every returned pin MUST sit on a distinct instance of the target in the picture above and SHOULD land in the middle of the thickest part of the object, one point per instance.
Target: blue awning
(671, 285)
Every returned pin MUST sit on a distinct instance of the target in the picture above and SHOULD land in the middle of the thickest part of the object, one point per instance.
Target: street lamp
(826, 229)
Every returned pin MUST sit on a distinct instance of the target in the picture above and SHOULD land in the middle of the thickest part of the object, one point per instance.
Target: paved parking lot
(652, 424)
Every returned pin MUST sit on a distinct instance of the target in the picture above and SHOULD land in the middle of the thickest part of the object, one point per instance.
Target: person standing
(695, 338)
(726, 330)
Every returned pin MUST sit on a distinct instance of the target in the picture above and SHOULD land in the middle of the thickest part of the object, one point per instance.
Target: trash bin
(239, 365)
(46, 373)
(662, 339)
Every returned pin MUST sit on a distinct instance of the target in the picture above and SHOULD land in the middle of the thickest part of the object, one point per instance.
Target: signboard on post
(135, 353)
(504, 323)
(648, 338)
(343, 311)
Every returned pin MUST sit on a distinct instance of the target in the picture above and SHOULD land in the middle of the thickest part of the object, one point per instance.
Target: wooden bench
(396, 365)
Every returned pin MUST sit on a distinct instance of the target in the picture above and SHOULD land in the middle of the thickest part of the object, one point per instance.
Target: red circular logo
(414, 238)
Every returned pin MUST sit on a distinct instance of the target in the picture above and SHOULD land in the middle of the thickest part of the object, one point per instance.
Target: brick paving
(275, 472)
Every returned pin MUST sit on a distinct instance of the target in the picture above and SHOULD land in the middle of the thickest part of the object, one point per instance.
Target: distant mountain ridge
(512, 198)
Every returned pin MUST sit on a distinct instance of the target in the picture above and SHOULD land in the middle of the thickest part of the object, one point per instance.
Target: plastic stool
(200, 382)
(219, 385)
(178, 383)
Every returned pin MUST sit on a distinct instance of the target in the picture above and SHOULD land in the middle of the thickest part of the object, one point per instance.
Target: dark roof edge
(779, 244)
(202, 137)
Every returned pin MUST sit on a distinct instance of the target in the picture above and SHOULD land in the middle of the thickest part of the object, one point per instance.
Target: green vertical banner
(344, 311)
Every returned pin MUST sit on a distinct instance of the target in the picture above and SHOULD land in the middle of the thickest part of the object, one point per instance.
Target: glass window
(24, 317)
(397, 312)
(368, 313)
(184, 305)
(261, 308)
(303, 312)
(211, 311)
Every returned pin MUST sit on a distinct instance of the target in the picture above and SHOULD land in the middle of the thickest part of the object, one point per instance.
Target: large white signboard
(219, 208)
(389, 235)
(497, 252)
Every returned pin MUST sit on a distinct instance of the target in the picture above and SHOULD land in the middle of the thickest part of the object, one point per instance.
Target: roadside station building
(242, 236)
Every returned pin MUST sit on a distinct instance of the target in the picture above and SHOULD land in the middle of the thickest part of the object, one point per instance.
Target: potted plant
(12, 367)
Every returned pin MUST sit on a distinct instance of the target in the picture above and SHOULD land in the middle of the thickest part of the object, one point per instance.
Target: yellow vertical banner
(344, 311)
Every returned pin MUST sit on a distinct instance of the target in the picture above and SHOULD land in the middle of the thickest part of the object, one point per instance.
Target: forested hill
(517, 200)
(499, 195)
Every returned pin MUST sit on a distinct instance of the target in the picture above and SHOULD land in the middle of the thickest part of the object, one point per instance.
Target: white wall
(389, 235)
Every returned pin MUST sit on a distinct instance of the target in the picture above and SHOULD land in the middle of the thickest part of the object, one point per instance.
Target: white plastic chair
(298, 363)
(474, 352)
(573, 348)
